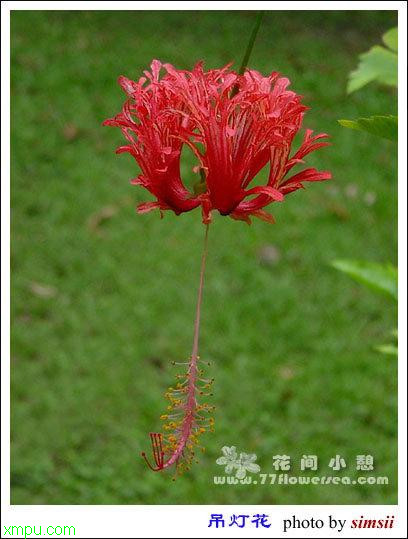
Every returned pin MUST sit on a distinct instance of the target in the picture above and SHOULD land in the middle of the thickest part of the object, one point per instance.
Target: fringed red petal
(234, 124)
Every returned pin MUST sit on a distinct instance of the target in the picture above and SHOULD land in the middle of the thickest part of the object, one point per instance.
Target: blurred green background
(103, 299)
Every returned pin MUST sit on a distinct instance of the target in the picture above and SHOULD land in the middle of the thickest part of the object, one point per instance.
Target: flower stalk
(251, 42)
(249, 48)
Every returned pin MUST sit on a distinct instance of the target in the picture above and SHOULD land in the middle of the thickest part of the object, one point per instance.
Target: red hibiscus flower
(235, 125)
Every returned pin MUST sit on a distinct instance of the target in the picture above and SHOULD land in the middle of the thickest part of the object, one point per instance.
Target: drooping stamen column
(190, 405)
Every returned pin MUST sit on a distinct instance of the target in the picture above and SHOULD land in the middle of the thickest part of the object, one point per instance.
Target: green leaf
(382, 126)
(390, 38)
(378, 277)
(389, 349)
(378, 64)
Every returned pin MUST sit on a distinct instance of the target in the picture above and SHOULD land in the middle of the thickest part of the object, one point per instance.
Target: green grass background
(102, 305)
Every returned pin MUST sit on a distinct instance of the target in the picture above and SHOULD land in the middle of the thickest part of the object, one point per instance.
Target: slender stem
(251, 42)
(249, 48)
(194, 353)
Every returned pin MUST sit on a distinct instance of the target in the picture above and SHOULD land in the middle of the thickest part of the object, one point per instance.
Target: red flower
(234, 124)
(152, 129)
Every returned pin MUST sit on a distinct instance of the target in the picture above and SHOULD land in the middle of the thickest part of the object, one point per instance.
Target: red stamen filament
(189, 406)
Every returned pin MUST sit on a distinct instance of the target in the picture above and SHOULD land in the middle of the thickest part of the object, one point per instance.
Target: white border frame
(192, 520)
